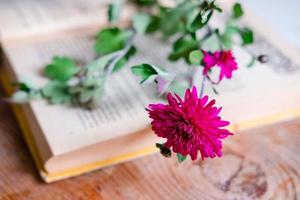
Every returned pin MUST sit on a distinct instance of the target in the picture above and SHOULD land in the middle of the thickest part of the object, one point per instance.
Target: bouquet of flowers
(189, 120)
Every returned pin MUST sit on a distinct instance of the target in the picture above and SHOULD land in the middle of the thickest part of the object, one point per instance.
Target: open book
(67, 141)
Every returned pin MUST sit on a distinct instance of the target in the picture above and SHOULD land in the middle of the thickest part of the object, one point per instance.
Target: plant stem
(119, 55)
(195, 81)
(202, 86)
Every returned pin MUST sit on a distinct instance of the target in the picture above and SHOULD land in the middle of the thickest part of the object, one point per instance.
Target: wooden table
(257, 164)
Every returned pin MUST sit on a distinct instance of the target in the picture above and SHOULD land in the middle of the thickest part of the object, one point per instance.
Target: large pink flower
(223, 59)
(189, 125)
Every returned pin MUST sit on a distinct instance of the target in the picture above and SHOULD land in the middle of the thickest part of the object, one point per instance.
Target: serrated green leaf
(61, 68)
(247, 36)
(144, 71)
(141, 22)
(182, 48)
(56, 92)
(196, 57)
(114, 10)
(180, 157)
(111, 39)
(237, 10)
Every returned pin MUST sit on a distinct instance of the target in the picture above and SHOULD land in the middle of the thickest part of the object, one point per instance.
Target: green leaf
(145, 71)
(237, 10)
(182, 48)
(145, 2)
(154, 24)
(194, 21)
(165, 151)
(114, 10)
(61, 68)
(247, 36)
(141, 22)
(180, 157)
(122, 62)
(111, 39)
(172, 20)
(196, 18)
(196, 57)
(24, 85)
(56, 92)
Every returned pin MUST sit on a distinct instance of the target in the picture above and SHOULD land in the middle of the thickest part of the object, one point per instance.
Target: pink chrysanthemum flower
(223, 59)
(189, 125)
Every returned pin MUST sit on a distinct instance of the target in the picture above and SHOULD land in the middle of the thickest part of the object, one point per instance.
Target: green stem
(119, 55)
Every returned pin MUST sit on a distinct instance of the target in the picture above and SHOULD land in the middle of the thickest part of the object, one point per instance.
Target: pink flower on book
(222, 59)
(190, 125)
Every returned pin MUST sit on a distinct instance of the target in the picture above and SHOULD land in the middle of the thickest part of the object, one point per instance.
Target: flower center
(185, 135)
(185, 130)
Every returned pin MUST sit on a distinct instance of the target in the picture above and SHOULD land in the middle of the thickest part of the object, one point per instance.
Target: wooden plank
(257, 164)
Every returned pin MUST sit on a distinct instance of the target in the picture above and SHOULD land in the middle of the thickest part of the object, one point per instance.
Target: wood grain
(257, 164)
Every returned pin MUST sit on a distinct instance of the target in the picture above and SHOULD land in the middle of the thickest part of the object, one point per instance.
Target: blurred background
(283, 16)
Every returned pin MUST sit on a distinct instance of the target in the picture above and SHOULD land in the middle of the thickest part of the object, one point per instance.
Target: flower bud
(263, 58)
(165, 151)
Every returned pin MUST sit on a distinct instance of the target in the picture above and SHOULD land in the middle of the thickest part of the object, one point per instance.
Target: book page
(21, 19)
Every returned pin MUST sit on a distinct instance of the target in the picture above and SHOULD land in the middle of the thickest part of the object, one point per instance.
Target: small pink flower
(222, 59)
(189, 125)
